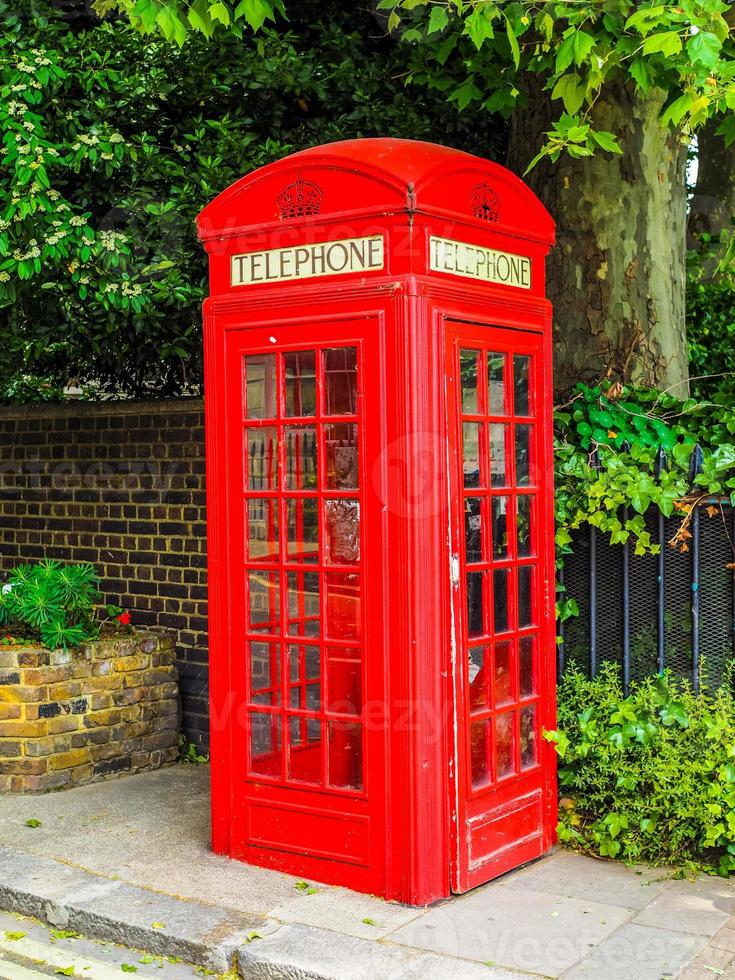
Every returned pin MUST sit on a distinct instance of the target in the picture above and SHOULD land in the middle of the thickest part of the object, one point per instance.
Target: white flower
(116, 138)
(5, 277)
(77, 221)
(8, 587)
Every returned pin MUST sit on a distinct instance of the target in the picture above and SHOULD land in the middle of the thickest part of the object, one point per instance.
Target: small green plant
(55, 603)
(647, 777)
(189, 752)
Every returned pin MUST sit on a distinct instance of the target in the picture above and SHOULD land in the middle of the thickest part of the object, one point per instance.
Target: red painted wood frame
(343, 745)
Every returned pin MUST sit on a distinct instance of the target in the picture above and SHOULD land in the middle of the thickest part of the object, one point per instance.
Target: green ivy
(607, 445)
(648, 777)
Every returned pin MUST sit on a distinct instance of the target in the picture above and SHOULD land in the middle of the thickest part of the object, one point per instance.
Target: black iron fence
(672, 610)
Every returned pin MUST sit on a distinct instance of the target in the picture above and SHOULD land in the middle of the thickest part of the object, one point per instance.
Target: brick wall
(119, 484)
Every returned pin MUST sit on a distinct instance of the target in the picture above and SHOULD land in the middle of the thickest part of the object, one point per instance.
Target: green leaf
(438, 19)
(14, 936)
(565, 54)
(583, 44)
(478, 27)
(513, 41)
(676, 111)
(571, 90)
(704, 49)
(255, 12)
(639, 71)
(33, 823)
(667, 43)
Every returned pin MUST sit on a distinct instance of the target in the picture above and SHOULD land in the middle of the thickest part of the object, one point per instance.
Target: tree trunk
(617, 275)
(713, 201)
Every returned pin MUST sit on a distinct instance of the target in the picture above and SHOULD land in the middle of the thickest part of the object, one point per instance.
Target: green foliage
(477, 53)
(711, 322)
(648, 777)
(606, 444)
(189, 753)
(54, 601)
(113, 142)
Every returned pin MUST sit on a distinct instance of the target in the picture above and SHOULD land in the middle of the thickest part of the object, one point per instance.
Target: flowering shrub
(113, 142)
(54, 603)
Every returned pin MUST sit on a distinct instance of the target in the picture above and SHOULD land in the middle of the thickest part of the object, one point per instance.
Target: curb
(68, 897)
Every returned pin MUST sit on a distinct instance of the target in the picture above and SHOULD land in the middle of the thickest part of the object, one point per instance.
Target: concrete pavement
(129, 861)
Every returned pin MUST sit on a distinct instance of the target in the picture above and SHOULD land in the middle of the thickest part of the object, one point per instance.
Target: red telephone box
(380, 501)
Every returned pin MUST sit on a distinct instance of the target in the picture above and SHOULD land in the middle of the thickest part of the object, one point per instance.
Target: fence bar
(593, 601)
(695, 599)
(661, 600)
(560, 643)
(626, 610)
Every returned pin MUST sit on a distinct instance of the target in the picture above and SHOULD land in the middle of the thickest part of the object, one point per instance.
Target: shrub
(53, 602)
(648, 777)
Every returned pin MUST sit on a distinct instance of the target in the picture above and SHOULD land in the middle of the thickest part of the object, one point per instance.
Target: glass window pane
(525, 596)
(303, 604)
(345, 755)
(524, 526)
(529, 749)
(468, 362)
(264, 614)
(503, 679)
(521, 384)
(294, 664)
(262, 462)
(265, 743)
(471, 453)
(343, 531)
(302, 471)
(302, 518)
(312, 662)
(526, 646)
(343, 606)
(260, 386)
(523, 455)
(479, 754)
(299, 368)
(498, 456)
(473, 529)
(477, 675)
(500, 600)
(505, 755)
(475, 603)
(265, 672)
(500, 527)
(496, 384)
(305, 752)
(262, 540)
(340, 441)
(344, 681)
(340, 380)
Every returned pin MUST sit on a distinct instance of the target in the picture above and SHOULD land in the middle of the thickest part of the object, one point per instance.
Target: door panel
(309, 530)
(499, 501)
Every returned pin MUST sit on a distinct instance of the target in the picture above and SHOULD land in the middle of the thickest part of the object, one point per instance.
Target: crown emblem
(300, 198)
(485, 203)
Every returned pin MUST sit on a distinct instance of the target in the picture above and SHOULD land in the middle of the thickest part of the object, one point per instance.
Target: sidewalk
(128, 861)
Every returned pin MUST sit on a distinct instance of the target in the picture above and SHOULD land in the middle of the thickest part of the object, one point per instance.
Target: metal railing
(674, 610)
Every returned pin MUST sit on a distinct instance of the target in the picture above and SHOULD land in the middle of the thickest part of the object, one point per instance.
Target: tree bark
(617, 275)
(713, 202)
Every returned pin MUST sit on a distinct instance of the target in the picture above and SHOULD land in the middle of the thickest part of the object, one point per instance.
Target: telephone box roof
(361, 177)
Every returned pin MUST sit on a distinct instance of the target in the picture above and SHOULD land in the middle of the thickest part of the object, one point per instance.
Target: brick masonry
(119, 484)
(106, 708)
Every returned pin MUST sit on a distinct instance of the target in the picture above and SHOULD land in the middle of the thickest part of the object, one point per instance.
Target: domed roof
(381, 176)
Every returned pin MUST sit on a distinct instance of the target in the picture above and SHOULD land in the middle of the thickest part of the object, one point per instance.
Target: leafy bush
(711, 324)
(113, 142)
(648, 777)
(53, 602)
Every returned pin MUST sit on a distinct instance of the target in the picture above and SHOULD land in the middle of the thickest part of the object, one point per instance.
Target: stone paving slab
(519, 929)
(106, 909)
(700, 907)
(638, 952)
(609, 882)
